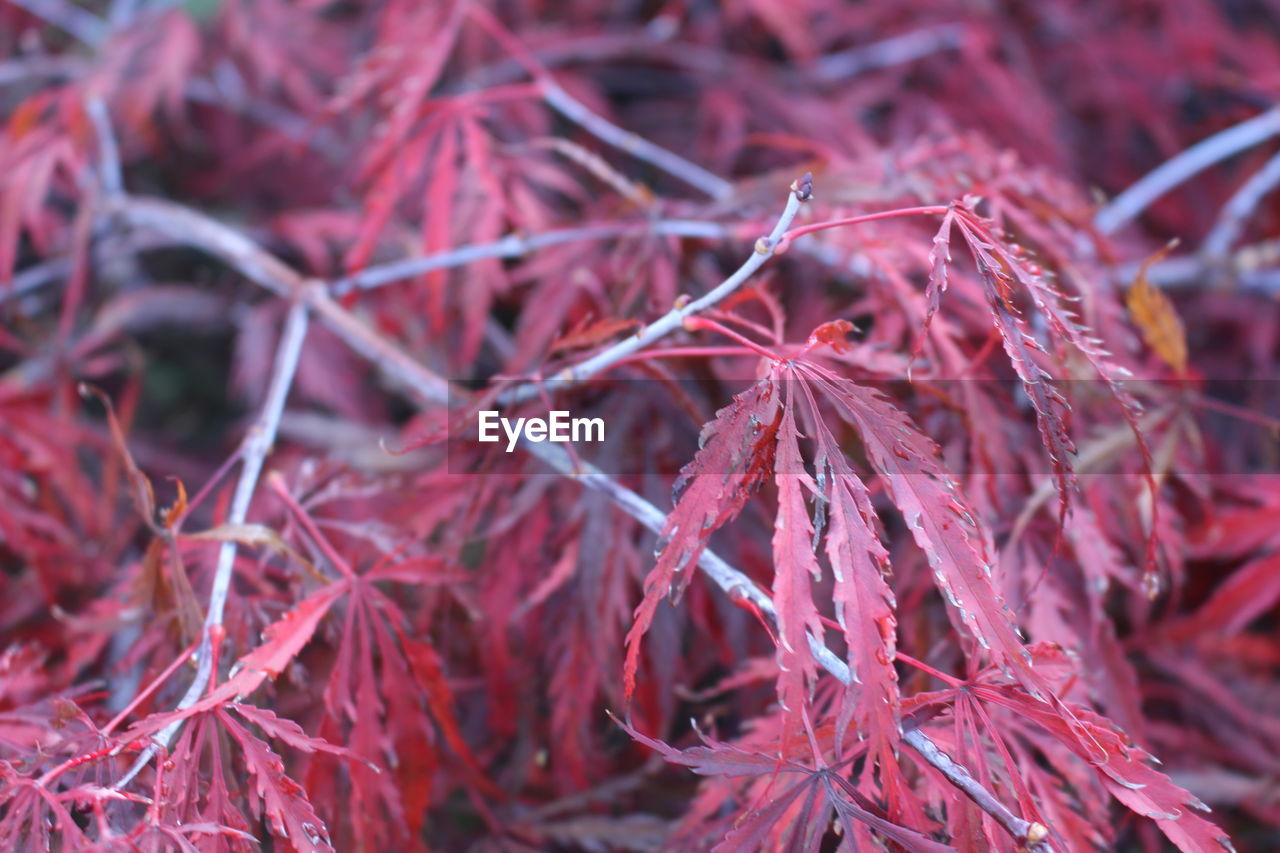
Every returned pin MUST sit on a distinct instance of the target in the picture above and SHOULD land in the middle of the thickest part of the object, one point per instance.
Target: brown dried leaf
(1154, 315)
(255, 535)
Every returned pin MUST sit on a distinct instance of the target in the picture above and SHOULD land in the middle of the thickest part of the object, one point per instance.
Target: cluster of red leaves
(1003, 536)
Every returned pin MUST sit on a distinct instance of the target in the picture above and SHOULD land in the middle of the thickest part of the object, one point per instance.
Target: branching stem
(256, 445)
(1185, 165)
(1239, 208)
(519, 245)
(637, 146)
(737, 585)
(199, 231)
(676, 317)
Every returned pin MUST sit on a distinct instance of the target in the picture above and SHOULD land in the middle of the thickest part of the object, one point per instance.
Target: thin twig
(637, 146)
(380, 352)
(675, 318)
(109, 247)
(595, 165)
(37, 66)
(1255, 267)
(257, 443)
(192, 228)
(109, 170)
(68, 17)
(1032, 835)
(1184, 166)
(35, 277)
(896, 50)
(221, 91)
(1238, 208)
(518, 245)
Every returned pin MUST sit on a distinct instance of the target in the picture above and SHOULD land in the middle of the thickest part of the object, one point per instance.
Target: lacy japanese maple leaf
(1125, 771)
(736, 456)
(795, 567)
(864, 601)
(800, 802)
(957, 546)
(1024, 350)
(277, 797)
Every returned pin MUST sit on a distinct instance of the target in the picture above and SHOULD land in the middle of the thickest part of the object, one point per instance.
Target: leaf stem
(696, 323)
(930, 210)
(150, 688)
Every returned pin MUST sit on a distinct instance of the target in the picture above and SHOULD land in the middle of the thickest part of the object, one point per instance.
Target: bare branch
(35, 277)
(191, 228)
(257, 443)
(109, 171)
(1124, 207)
(1238, 208)
(1255, 267)
(637, 146)
(896, 50)
(675, 318)
(411, 376)
(68, 17)
(1032, 836)
(40, 65)
(517, 245)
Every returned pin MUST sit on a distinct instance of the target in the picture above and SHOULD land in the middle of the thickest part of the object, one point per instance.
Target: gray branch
(257, 443)
(637, 146)
(1126, 206)
(674, 318)
(1239, 208)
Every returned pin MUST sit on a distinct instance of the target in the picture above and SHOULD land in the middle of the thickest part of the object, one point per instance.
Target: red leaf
(794, 566)
(997, 268)
(864, 602)
(736, 456)
(282, 641)
(939, 263)
(1123, 770)
(282, 800)
(936, 512)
